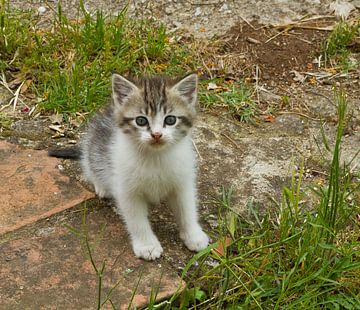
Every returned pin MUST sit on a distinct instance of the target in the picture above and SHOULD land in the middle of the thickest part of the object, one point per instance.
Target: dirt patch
(276, 51)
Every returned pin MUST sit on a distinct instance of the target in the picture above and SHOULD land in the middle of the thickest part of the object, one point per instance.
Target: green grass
(293, 257)
(70, 63)
(104, 297)
(236, 98)
(5, 122)
(336, 47)
(296, 257)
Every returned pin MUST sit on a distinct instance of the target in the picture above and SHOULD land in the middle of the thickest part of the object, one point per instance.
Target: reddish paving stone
(50, 269)
(32, 187)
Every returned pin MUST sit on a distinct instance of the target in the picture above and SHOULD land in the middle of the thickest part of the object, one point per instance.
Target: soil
(277, 52)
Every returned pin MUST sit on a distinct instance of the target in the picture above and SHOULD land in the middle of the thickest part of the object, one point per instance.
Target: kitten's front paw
(148, 251)
(195, 240)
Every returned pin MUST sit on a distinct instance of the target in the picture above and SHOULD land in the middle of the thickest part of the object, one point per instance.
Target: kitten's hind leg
(183, 202)
(144, 242)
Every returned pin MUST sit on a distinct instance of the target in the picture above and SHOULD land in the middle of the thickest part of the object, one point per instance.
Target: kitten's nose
(156, 135)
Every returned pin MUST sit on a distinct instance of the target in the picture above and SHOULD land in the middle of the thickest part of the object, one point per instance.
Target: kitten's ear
(187, 88)
(122, 88)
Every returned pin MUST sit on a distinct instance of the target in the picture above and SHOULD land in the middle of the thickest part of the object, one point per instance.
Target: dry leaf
(75, 123)
(56, 119)
(58, 135)
(222, 245)
(25, 86)
(57, 128)
(298, 77)
(313, 81)
(15, 83)
(331, 70)
(212, 86)
(269, 118)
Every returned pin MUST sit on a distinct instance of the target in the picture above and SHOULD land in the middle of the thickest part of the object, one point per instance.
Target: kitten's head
(156, 112)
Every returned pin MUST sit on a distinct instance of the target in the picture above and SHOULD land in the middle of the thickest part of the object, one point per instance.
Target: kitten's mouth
(157, 143)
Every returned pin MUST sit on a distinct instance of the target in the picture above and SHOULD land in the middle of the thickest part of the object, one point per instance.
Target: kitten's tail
(73, 152)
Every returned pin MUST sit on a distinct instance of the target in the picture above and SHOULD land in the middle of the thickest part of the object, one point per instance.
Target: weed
(88, 248)
(335, 47)
(71, 62)
(237, 99)
(105, 297)
(5, 122)
(294, 258)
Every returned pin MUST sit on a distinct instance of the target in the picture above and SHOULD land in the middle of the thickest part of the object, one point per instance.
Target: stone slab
(50, 268)
(32, 187)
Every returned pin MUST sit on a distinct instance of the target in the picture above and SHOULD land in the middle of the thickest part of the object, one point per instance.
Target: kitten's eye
(141, 121)
(170, 120)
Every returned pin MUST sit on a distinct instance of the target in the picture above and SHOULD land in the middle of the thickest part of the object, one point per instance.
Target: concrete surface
(43, 265)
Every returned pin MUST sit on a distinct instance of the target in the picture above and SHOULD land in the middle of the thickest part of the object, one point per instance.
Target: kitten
(139, 151)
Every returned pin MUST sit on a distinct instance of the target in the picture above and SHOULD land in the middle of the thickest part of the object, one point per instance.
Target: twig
(303, 21)
(16, 97)
(14, 94)
(275, 36)
(145, 56)
(6, 105)
(303, 40)
(202, 3)
(196, 149)
(257, 83)
(319, 172)
(33, 109)
(246, 21)
(231, 140)
(207, 69)
(328, 28)
(299, 25)
(16, 54)
(321, 75)
(310, 19)
(5, 84)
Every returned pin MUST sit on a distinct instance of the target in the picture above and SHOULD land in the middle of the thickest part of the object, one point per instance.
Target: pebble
(45, 231)
(224, 8)
(42, 10)
(197, 11)
(169, 10)
(211, 262)
(177, 24)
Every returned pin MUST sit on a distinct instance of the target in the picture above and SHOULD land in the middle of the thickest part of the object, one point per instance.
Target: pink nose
(156, 136)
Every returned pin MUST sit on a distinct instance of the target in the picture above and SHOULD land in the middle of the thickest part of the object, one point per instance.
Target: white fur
(137, 169)
(140, 174)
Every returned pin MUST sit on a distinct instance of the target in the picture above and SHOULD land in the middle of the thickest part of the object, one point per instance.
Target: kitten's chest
(155, 179)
